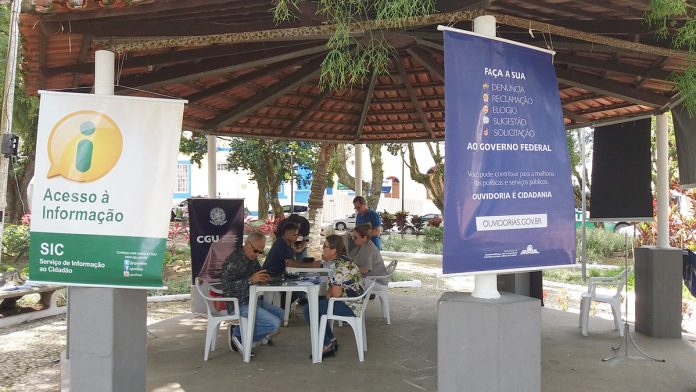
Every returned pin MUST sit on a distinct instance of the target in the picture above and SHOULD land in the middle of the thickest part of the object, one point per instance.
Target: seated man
(241, 269)
(282, 254)
(300, 245)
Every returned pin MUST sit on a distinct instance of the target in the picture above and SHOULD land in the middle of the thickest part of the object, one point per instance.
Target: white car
(299, 209)
(345, 223)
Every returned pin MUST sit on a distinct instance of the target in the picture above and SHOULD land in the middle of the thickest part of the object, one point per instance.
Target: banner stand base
(488, 345)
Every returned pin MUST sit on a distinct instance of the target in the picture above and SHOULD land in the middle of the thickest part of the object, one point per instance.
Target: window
(221, 167)
(182, 178)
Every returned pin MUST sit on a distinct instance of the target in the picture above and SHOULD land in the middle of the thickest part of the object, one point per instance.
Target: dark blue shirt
(275, 261)
(372, 218)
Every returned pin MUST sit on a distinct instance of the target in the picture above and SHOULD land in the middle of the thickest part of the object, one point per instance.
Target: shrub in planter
(434, 234)
(435, 222)
(418, 224)
(401, 217)
(387, 221)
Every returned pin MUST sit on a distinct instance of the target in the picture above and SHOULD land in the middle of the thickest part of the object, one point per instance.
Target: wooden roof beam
(613, 66)
(366, 105)
(414, 98)
(426, 59)
(581, 98)
(576, 118)
(181, 56)
(159, 7)
(187, 72)
(610, 88)
(291, 82)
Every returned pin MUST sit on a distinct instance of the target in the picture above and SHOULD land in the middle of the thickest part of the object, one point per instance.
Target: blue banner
(508, 194)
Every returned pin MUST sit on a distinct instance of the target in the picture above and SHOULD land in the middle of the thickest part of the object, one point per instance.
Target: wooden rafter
(556, 7)
(581, 98)
(614, 66)
(610, 88)
(576, 118)
(414, 98)
(183, 73)
(426, 59)
(291, 82)
(366, 105)
(306, 112)
(246, 78)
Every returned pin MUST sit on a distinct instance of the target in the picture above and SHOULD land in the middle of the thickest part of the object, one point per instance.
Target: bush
(601, 244)
(15, 242)
(435, 222)
(417, 223)
(401, 217)
(411, 245)
(174, 286)
(434, 234)
(387, 220)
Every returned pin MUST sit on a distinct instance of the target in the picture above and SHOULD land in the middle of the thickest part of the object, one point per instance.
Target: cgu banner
(508, 194)
(105, 170)
(217, 229)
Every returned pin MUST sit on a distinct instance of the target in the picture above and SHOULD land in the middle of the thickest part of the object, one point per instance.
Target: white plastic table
(312, 291)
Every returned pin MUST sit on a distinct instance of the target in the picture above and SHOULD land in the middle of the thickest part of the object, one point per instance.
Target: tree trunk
(377, 175)
(371, 194)
(316, 197)
(17, 204)
(272, 183)
(262, 200)
(434, 182)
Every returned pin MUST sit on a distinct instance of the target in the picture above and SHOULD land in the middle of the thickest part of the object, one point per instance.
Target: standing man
(365, 214)
(240, 270)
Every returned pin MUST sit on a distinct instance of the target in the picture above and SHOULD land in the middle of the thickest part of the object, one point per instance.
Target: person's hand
(259, 276)
(300, 247)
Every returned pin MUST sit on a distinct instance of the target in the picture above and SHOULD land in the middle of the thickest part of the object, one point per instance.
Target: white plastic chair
(216, 317)
(618, 281)
(357, 322)
(382, 291)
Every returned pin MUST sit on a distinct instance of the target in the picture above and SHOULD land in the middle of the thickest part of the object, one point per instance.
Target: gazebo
(245, 76)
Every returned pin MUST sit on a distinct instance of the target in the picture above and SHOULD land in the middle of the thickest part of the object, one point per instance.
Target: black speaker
(621, 173)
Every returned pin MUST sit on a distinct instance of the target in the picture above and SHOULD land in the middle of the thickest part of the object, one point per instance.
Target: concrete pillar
(358, 171)
(488, 345)
(212, 166)
(107, 327)
(662, 157)
(658, 291)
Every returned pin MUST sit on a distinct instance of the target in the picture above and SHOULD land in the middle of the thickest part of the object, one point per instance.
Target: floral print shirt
(347, 275)
(235, 276)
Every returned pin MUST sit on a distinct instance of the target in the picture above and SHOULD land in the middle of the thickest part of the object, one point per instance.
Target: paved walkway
(403, 357)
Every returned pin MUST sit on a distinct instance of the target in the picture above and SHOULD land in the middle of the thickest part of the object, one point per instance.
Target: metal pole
(8, 105)
(662, 157)
(292, 183)
(485, 285)
(403, 179)
(584, 205)
(212, 166)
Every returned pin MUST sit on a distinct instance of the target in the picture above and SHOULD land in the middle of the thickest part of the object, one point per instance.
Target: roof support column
(485, 285)
(662, 158)
(358, 170)
(106, 327)
(212, 166)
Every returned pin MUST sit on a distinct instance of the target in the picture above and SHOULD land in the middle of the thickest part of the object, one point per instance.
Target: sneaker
(234, 343)
(266, 341)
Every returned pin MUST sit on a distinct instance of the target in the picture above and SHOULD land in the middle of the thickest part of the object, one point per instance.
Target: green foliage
(574, 275)
(411, 244)
(174, 286)
(15, 242)
(434, 234)
(350, 62)
(663, 15)
(601, 244)
(195, 146)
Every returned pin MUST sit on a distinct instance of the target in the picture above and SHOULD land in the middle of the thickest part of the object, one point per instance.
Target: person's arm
(376, 225)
